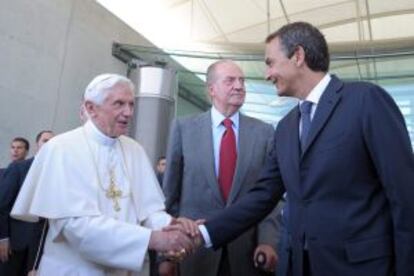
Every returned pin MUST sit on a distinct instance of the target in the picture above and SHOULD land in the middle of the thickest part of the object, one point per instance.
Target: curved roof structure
(369, 40)
(245, 23)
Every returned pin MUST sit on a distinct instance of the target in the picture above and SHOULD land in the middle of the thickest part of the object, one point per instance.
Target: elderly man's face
(228, 89)
(114, 114)
(18, 151)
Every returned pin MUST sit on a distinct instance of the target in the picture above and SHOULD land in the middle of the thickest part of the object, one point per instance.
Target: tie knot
(227, 123)
(305, 107)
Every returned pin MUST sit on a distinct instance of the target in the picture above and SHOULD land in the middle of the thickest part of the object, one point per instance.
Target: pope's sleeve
(157, 220)
(104, 240)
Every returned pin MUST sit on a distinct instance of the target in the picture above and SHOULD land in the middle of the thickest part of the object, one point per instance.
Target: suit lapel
(245, 146)
(205, 134)
(288, 145)
(293, 136)
(326, 105)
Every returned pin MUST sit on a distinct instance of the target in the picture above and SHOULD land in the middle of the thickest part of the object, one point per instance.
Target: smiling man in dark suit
(345, 159)
(19, 241)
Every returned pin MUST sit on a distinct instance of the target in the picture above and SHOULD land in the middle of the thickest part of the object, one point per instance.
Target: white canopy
(371, 40)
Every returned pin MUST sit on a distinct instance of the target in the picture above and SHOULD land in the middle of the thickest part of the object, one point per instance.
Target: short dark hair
(303, 34)
(41, 133)
(161, 158)
(23, 140)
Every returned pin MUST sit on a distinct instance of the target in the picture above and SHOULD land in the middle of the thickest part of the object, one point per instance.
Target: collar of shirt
(217, 118)
(97, 135)
(316, 93)
(218, 130)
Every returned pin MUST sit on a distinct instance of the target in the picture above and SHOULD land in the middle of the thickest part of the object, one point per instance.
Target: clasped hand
(177, 240)
(190, 229)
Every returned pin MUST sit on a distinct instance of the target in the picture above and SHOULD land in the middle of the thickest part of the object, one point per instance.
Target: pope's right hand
(5, 250)
(189, 228)
(170, 241)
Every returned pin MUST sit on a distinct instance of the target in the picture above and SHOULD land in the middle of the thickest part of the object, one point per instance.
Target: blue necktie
(305, 117)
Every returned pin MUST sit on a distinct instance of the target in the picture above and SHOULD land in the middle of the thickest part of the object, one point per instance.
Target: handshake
(177, 240)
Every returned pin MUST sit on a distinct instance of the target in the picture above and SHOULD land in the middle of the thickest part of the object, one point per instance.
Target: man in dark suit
(345, 159)
(160, 169)
(19, 149)
(199, 168)
(153, 256)
(1, 173)
(19, 241)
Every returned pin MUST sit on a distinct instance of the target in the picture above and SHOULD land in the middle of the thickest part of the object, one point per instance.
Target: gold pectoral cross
(114, 193)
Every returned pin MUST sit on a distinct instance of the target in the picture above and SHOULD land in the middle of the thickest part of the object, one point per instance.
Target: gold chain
(113, 192)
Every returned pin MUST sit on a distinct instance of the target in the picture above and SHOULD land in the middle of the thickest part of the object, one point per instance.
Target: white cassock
(67, 184)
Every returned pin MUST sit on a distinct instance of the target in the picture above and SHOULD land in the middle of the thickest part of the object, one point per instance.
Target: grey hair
(211, 70)
(99, 88)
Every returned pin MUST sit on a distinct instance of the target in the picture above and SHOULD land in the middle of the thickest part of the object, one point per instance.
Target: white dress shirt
(314, 96)
(218, 130)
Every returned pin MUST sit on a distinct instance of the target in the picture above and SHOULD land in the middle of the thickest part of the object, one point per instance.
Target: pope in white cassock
(98, 190)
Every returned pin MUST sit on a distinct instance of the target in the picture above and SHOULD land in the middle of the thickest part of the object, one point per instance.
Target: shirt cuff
(4, 240)
(206, 236)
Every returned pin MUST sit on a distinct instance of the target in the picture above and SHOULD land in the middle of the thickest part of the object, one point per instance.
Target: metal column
(154, 108)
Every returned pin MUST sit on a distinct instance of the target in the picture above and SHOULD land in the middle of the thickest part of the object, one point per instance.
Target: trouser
(153, 263)
(307, 270)
(19, 263)
(224, 266)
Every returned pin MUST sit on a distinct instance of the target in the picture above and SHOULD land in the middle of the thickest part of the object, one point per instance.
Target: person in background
(212, 160)
(153, 257)
(1, 173)
(160, 168)
(19, 149)
(19, 241)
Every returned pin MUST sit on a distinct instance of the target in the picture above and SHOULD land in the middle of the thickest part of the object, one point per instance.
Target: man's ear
(90, 108)
(210, 91)
(299, 56)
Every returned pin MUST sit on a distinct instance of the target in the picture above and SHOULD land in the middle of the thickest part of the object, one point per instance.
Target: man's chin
(119, 131)
(281, 93)
(123, 130)
(238, 101)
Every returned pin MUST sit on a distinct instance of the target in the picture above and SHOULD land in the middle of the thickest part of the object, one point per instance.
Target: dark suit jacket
(283, 248)
(350, 192)
(1, 173)
(21, 234)
(192, 190)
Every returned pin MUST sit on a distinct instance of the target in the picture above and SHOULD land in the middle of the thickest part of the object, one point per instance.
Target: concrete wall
(49, 51)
